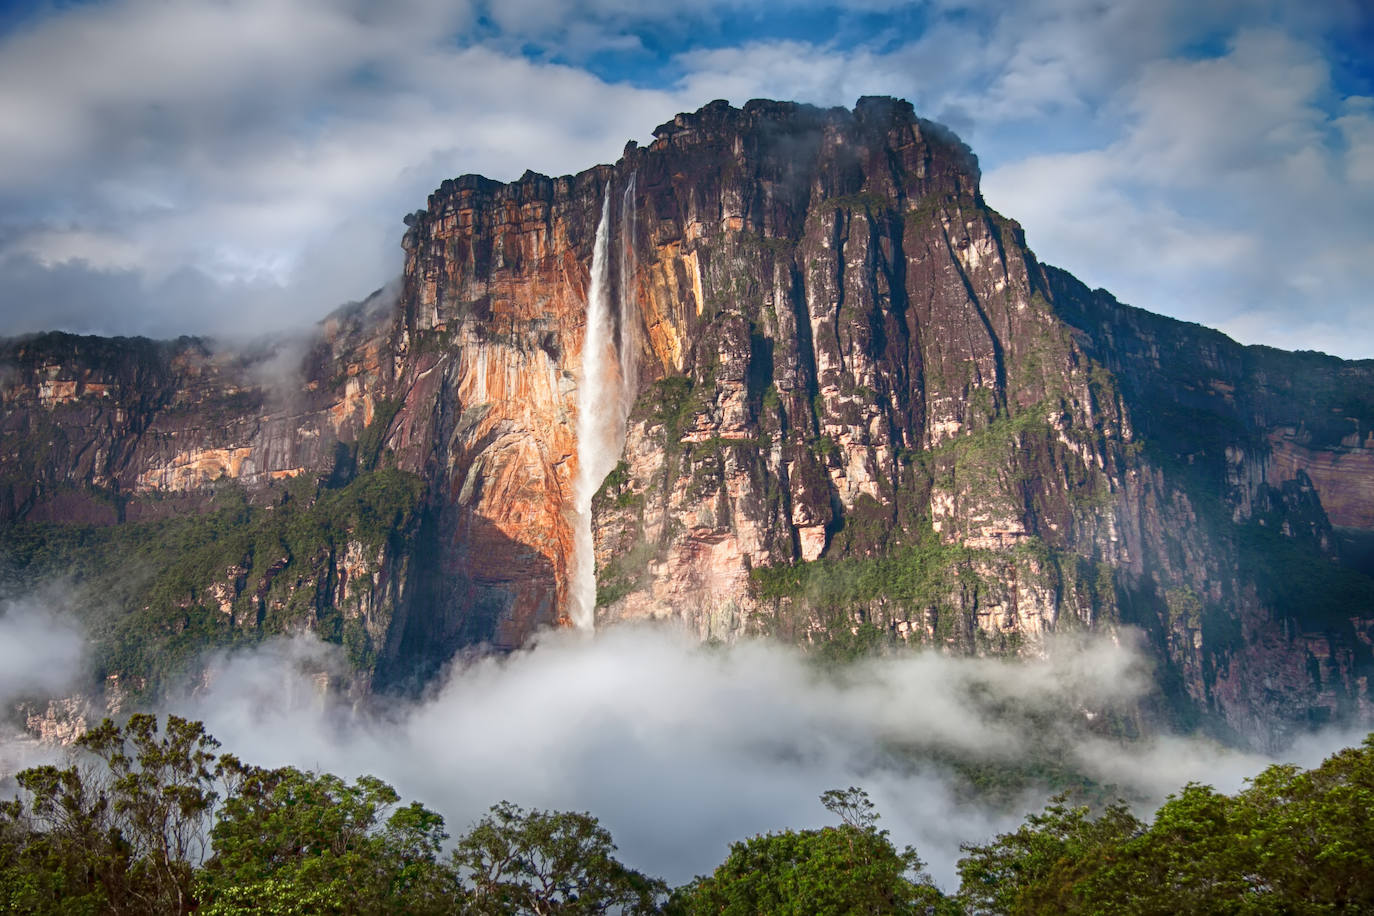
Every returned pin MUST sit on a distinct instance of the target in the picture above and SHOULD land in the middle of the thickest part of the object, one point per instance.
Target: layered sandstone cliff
(864, 410)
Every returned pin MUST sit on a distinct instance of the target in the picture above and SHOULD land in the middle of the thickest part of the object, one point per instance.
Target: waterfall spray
(599, 422)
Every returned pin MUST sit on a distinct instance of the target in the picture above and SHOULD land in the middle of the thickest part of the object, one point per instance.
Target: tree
(849, 869)
(1036, 868)
(544, 862)
(58, 851)
(1314, 832)
(1293, 841)
(162, 788)
(292, 842)
(121, 835)
(852, 806)
(1194, 858)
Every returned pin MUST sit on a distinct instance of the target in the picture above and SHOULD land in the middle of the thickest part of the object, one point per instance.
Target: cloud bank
(209, 167)
(680, 749)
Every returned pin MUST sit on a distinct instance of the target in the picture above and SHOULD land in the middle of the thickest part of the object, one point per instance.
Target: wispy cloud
(41, 648)
(166, 166)
(1227, 198)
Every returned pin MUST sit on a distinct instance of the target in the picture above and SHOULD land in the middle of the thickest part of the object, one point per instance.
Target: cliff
(857, 411)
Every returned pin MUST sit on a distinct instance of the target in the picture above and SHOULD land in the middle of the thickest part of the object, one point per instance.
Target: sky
(241, 167)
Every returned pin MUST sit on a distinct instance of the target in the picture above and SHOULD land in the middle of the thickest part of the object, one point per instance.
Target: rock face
(865, 412)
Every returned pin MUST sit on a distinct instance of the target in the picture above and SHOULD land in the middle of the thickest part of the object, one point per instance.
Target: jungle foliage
(159, 592)
(153, 819)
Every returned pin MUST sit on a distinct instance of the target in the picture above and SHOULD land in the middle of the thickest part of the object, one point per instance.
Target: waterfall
(599, 422)
(629, 351)
(606, 391)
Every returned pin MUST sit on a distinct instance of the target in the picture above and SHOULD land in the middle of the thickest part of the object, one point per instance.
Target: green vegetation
(852, 868)
(925, 576)
(997, 456)
(374, 434)
(1299, 581)
(624, 573)
(672, 405)
(287, 841)
(518, 861)
(776, 246)
(1184, 606)
(989, 446)
(915, 574)
(154, 821)
(927, 210)
(160, 592)
(1018, 871)
(616, 489)
(864, 200)
(1293, 841)
(848, 644)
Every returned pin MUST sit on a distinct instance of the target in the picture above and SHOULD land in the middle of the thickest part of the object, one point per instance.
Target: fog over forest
(679, 748)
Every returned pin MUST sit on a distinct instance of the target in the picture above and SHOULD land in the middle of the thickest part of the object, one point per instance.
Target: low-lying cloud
(680, 749)
(41, 649)
(42, 656)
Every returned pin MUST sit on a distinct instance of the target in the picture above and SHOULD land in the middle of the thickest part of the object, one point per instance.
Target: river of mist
(680, 748)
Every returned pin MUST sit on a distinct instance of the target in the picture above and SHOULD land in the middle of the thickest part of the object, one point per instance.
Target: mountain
(835, 398)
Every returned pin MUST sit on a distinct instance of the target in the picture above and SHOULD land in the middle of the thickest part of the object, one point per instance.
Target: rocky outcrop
(111, 430)
(1343, 476)
(864, 408)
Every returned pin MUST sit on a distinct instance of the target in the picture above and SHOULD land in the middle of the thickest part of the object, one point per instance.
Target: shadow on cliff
(456, 602)
(1279, 631)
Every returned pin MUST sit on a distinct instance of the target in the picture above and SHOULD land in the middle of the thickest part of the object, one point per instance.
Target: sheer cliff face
(863, 408)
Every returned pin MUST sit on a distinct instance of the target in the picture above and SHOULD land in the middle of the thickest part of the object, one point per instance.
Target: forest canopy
(152, 817)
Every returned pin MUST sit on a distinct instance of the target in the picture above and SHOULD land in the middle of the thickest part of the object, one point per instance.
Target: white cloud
(1357, 128)
(1229, 117)
(41, 649)
(1225, 199)
(245, 144)
(680, 749)
(248, 163)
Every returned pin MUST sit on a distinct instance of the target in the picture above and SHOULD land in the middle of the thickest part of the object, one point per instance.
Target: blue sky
(241, 167)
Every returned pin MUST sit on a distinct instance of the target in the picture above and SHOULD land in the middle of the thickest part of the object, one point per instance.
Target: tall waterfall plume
(629, 350)
(600, 422)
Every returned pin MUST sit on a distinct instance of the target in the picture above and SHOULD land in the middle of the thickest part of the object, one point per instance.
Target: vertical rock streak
(599, 416)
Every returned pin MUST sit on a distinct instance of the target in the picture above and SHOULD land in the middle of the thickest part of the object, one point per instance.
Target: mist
(41, 648)
(42, 655)
(680, 749)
